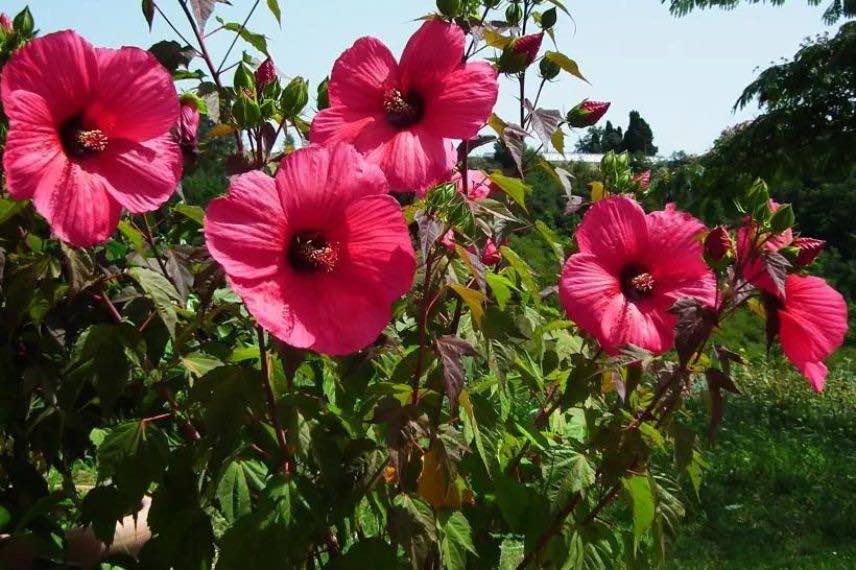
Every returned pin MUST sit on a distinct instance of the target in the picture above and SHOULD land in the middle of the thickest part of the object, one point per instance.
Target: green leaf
(134, 455)
(81, 268)
(233, 492)
(514, 187)
(135, 237)
(198, 364)
(582, 474)
(500, 286)
(474, 300)
(194, 213)
(560, 5)
(565, 63)
(161, 292)
(455, 539)
(524, 272)
(642, 502)
(148, 8)
(273, 5)
(411, 525)
(258, 41)
(106, 355)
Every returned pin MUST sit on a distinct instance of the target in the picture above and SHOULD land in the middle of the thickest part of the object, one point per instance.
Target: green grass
(780, 486)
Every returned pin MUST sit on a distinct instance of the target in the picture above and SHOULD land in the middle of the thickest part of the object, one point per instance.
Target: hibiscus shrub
(341, 362)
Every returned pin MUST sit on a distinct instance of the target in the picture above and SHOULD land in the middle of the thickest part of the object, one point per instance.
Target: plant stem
(423, 323)
(170, 24)
(237, 35)
(286, 468)
(150, 237)
(215, 73)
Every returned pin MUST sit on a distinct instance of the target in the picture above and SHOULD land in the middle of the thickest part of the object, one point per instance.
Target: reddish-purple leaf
(451, 350)
(777, 268)
(544, 122)
(695, 323)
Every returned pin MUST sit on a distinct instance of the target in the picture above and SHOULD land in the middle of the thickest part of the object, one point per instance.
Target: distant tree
(639, 138)
(835, 11)
(611, 139)
(590, 142)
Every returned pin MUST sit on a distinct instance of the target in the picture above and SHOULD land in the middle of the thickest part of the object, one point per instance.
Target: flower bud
(642, 180)
(808, 249)
(548, 19)
(548, 69)
(5, 23)
(265, 74)
(783, 219)
(490, 255)
(529, 46)
(295, 96)
(243, 78)
(717, 244)
(449, 8)
(24, 23)
(322, 100)
(188, 125)
(513, 14)
(587, 113)
(448, 241)
(246, 110)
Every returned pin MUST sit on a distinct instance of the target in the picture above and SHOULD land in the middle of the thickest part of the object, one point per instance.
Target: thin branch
(174, 29)
(237, 35)
(286, 468)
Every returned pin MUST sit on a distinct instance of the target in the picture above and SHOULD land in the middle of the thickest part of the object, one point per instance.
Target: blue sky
(682, 74)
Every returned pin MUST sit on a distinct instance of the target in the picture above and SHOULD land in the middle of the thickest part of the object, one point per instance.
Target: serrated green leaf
(161, 292)
(642, 503)
(500, 286)
(194, 213)
(566, 63)
(474, 300)
(198, 364)
(514, 187)
(134, 236)
(456, 539)
(524, 272)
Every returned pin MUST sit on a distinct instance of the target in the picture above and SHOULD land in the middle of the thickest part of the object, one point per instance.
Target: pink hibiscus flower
(319, 253)
(812, 322)
(490, 254)
(404, 116)
(479, 185)
(630, 270)
(89, 134)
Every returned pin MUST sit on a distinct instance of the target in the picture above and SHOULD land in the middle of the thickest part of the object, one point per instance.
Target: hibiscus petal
(812, 323)
(674, 245)
(586, 290)
(267, 300)
(377, 251)
(135, 97)
(76, 204)
(61, 68)
(315, 183)
(32, 144)
(459, 103)
(615, 230)
(344, 125)
(645, 324)
(413, 160)
(245, 231)
(141, 175)
(361, 75)
(437, 47)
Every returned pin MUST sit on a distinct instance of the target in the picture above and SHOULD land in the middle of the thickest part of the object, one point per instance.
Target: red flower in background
(808, 249)
(403, 116)
(319, 253)
(490, 255)
(89, 134)
(642, 180)
(630, 270)
(718, 243)
(479, 185)
(5, 23)
(812, 322)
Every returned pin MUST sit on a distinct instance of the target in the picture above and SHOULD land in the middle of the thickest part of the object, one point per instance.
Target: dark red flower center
(310, 251)
(636, 283)
(81, 142)
(402, 110)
